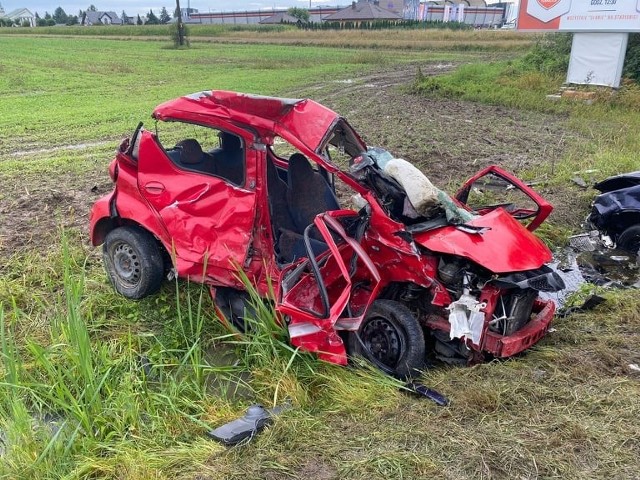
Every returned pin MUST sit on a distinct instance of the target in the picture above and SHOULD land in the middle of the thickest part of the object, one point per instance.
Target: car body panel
(617, 208)
(544, 207)
(500, 246)
(301, 122)
(210, 220)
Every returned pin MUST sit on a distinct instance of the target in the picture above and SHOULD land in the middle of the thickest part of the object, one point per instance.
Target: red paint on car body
(211, 228)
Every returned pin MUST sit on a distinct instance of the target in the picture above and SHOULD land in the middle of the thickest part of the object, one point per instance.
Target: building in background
(100, 18)
(363, 11)
(22, 15)
(471, 12)
(279, 17)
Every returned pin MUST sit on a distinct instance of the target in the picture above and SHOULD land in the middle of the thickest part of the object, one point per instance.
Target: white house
(100, 18)
(23, 16)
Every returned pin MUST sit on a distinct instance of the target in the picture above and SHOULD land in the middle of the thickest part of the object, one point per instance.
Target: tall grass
(81, 401)
(81, 395)
(416, 39)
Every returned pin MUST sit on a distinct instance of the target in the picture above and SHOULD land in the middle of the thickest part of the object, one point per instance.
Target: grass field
(440, 39)
(93, 386)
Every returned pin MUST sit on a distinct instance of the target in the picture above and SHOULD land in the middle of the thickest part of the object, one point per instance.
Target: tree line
(60, 17)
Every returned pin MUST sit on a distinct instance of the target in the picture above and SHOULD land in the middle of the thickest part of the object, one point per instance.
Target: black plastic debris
(246, 427)
(589, 304)
(421, 390)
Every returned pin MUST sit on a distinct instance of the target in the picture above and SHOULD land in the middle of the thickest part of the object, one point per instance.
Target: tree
(300, 13)
(60, 16)
(139, 20)
(164, 16)
(125, 19)
(92, 8)
(152, 19)
(72, 20)
(47, 16)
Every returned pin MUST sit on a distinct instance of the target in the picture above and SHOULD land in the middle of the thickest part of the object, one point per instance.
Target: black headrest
(230, 142)
(191, 151)
(299, 169)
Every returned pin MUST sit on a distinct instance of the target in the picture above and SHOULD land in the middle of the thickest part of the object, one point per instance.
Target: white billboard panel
(597, 59)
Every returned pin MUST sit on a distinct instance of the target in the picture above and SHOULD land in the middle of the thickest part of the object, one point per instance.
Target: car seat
(190, 152)
(229, 158)
(308, 193)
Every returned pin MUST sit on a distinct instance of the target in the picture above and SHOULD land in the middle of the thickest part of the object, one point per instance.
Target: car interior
(224, 160)
(294, 203)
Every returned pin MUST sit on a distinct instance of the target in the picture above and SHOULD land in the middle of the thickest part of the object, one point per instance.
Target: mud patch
(39, 151)
(34, 208)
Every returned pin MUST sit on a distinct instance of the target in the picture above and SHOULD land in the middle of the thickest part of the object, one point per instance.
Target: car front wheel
(133, 261)
(629, 240)
(391, 338)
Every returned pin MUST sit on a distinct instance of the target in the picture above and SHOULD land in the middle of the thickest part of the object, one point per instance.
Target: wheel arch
(626, 219)
(107, 224)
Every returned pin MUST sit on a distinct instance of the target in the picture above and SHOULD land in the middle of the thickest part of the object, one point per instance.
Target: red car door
(500, 189)
(209, 220)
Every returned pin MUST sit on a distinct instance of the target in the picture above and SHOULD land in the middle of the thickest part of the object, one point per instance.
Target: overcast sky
(142, 6)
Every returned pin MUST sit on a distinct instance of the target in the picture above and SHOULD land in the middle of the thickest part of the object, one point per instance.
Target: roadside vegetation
(94, 386)
(605, 124)
(438, 39)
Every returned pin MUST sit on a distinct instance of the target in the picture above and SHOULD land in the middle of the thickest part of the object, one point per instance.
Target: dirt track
(448, 139)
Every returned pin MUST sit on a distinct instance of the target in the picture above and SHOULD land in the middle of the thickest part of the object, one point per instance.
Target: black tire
(133, 261)
(391, 338)
(629, 240)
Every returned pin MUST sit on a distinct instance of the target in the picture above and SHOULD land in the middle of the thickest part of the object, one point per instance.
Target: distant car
(229, 182)
(616, 211)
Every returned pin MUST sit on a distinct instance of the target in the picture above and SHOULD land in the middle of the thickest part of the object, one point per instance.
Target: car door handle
(154, 188)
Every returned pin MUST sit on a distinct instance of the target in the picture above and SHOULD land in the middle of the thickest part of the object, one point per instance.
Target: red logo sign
(547, 4)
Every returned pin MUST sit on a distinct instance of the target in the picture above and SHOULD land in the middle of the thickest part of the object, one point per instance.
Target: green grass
(55, 96)
(96, 387)
(145, 30)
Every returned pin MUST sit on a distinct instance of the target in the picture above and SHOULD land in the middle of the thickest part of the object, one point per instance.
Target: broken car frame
(391, 281)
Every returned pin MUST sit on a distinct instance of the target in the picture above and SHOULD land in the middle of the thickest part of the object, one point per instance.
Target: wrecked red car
(400, 271)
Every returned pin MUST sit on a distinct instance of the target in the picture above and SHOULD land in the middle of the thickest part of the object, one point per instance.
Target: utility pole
(180, 24)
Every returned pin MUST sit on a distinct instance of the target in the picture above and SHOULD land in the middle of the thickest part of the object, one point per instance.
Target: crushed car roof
(303, 119)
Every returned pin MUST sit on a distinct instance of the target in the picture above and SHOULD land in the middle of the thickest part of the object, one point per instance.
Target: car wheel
(630, 239)
(133, 261)
(391, 338)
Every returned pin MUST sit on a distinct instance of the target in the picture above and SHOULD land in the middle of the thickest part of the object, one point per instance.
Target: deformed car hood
(503, 246)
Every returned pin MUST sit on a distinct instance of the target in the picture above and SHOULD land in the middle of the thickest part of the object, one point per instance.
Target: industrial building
(471, 12)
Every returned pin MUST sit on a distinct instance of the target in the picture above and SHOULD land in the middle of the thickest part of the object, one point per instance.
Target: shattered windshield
(343, 146)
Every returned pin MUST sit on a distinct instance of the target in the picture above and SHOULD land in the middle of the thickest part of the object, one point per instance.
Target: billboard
(579, 15)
